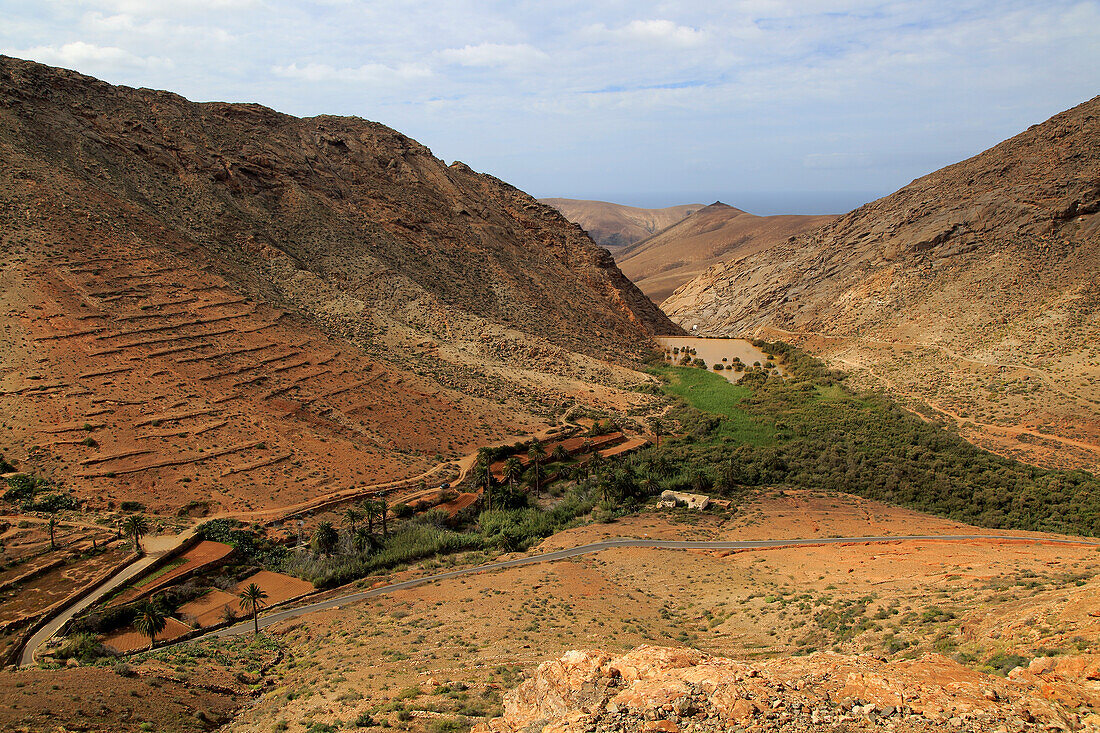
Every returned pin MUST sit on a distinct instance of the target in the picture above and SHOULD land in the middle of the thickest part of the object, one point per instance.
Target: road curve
(330, 603)
(40, 637)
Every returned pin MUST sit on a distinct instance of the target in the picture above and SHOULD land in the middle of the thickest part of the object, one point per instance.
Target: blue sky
(770, 105)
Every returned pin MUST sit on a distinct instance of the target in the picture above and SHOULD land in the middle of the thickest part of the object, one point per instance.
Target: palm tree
(324, 538)
(370, 510)
(658, 427)
(362, 539)
(513, 470)
(536, 453)
(352, 518)
(559, 453)
(383, 510)
(53, 527)
(136, 527)
(485, 463)
(252, 598)
(150, 620)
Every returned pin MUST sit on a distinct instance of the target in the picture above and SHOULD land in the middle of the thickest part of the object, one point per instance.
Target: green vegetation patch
(811, 431)
(712, 393)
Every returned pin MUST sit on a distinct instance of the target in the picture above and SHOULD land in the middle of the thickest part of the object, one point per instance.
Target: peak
(719, 206)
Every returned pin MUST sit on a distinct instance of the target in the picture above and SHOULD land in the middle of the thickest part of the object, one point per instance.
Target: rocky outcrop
(671, 690)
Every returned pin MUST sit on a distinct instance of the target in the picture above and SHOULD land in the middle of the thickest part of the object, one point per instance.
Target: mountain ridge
(972, 289)
(614, 225)
(673, 256)
(304, 305)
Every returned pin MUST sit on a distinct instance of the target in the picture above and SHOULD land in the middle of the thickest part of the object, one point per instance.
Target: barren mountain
(974, 289)
(616, 225)
(251, 308)
(714, 234)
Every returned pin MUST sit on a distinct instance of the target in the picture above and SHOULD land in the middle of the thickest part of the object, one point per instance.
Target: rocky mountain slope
(973, 289)
(617, 225)
(716, 233)
(252, 308)
(672, 690)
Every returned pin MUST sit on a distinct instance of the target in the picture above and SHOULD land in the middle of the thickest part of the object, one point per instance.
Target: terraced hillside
(136, 376)
(219, 307)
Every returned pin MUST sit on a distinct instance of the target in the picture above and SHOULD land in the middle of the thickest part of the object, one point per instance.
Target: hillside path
(1046, 377)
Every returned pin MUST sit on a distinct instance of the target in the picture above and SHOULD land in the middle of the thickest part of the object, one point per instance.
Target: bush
(247, 543)
(51, 503)
(83, 647)
(132, 506)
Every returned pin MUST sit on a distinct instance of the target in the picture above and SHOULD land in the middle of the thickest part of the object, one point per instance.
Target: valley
(304, 429)
(970, 292)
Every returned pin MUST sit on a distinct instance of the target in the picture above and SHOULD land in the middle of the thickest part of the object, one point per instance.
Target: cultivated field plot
(212, 608)
(201, 557)
(140, 376)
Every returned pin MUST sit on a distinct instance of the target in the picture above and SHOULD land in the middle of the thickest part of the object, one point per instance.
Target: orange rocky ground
(669, 690)
(448, 650)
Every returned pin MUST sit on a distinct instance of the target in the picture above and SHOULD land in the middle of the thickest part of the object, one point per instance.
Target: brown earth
(616, 225)
(972, 289)
(222, 309)
(141, 695)
(717, 233)
(446, 651)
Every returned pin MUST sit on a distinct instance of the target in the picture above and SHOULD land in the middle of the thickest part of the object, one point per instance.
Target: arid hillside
(217, 305)
(617, 225)
(973, 289)
(714, 234)
(822, 628)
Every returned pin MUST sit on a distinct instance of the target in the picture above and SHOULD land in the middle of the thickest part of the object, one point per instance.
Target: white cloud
(163, 8)
(652, 31)
(781, 92)
(82, 55)
(364, 73)
(493, 55)
(157, 30)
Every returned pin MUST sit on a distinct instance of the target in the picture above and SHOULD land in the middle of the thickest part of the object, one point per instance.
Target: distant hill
(221, 306)
(615, 225)
(975, 289)
(661, 263)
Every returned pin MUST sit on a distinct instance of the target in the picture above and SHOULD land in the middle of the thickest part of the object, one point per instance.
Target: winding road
(338, 601)
(51, 627)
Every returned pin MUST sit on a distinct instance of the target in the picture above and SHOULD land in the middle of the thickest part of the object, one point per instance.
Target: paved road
(46, 632)
(276, 617)
(156, 547)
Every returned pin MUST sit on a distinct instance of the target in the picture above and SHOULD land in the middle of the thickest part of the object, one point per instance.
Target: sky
(774, 106)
